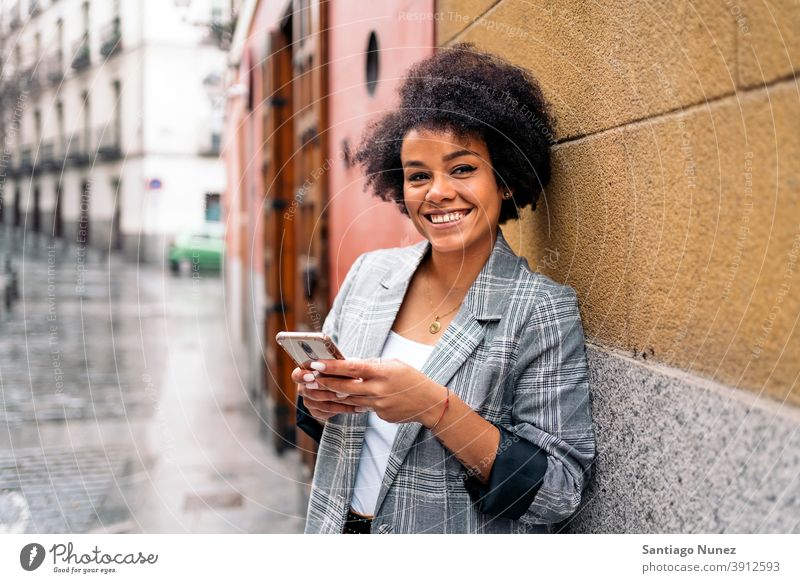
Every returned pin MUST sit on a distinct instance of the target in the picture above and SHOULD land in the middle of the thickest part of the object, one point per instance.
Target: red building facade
(305, 79)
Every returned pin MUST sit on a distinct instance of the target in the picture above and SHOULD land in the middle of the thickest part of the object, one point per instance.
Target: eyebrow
(445, 158)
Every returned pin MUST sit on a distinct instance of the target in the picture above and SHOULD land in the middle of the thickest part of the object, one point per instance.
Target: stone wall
(674, 214)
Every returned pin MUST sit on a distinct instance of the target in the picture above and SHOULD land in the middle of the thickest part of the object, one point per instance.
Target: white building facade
(112, 120)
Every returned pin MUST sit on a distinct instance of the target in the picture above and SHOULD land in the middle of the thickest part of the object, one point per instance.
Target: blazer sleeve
(545, 455)
(331, 327)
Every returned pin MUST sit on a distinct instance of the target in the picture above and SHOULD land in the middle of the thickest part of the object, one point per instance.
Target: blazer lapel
(483, 302)
(393, 287)
(392, 290)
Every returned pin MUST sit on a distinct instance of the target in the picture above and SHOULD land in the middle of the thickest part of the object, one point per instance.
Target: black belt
(356, 523)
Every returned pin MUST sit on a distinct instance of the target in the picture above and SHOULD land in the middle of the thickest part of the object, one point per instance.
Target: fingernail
(342, 395)
(361, 409)
(318, 366)
(315, 373)
(312, 385)
(309, 377)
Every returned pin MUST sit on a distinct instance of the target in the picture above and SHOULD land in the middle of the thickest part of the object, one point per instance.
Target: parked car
(199, 249)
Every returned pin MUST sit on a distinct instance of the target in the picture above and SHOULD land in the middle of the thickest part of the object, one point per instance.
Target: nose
(441, 189)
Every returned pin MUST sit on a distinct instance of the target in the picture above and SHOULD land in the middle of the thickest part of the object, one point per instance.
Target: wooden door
(279, 250)
(294, 228)
(309, 61)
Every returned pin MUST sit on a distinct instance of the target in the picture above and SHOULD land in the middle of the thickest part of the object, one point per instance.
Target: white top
(380, 434)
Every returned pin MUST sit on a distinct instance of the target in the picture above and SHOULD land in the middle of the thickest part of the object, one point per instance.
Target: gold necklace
(436, 325)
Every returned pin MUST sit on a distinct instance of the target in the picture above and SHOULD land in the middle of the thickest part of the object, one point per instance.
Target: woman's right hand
(321, 403)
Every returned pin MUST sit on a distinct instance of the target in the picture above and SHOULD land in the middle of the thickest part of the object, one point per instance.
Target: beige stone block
(768, 39)
(453, 16)
(682, 237)
(579, 236)
(606, 64)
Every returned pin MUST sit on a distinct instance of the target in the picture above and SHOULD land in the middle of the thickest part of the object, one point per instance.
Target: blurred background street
(123, 409)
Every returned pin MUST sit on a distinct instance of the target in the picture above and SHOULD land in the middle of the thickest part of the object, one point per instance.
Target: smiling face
(450, 190)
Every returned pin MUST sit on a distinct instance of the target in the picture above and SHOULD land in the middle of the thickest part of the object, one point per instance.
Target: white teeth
(448, 218)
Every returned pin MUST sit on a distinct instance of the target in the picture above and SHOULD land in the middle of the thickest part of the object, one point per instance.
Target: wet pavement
(123, 406)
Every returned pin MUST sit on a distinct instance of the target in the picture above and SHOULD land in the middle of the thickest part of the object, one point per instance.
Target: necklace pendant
(435, 327)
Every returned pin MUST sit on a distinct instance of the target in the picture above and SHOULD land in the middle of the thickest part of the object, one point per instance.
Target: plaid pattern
(514, 352)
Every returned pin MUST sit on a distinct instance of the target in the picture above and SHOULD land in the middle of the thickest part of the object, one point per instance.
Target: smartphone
(304, 347)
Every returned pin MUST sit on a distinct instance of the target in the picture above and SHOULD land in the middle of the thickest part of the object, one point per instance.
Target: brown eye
(464, 169)
(417, 176)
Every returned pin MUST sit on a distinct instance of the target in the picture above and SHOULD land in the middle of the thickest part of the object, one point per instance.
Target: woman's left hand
(396, 391)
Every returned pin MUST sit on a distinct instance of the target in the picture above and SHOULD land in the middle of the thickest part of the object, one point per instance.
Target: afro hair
(470, 94)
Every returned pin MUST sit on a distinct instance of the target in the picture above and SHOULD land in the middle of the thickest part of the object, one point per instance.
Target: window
(60, 120)
(85, 11)
(372, 63)
(87, 129)
(117, 88)
(37, 125)
(213, 207)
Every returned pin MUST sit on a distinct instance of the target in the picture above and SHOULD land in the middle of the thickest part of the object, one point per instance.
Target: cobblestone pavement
(58, 489)
(122, 408)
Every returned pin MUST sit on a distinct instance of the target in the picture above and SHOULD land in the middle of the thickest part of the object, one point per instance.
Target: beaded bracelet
(446, 404)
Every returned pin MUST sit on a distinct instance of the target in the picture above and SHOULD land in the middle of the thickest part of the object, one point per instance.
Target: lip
(447, 225)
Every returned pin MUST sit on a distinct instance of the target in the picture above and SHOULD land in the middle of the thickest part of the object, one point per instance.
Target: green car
(198, 250)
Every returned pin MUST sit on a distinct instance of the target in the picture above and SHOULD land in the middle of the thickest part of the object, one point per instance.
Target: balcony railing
(11, 164)
(53, 68)
(29, 80)
(220, 33)
(109, 144)
(111, 38)
(25, 161)
(77, 150)
(82, 56)
(9, 89)
(51, 157)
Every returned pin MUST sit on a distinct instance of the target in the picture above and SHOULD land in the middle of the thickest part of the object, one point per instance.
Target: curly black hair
(472, 95)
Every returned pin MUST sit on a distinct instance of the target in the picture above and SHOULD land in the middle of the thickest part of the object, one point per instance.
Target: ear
(502, 188)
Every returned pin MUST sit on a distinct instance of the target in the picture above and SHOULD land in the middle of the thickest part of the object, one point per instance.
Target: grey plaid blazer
(514, 352)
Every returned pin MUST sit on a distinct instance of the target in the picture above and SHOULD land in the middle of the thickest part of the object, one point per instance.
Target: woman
(466, 406)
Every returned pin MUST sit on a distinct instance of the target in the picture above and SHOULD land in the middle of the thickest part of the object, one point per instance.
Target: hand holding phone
(304, 347)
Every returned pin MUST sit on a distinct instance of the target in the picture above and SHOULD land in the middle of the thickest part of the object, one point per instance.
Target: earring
(506, 195)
